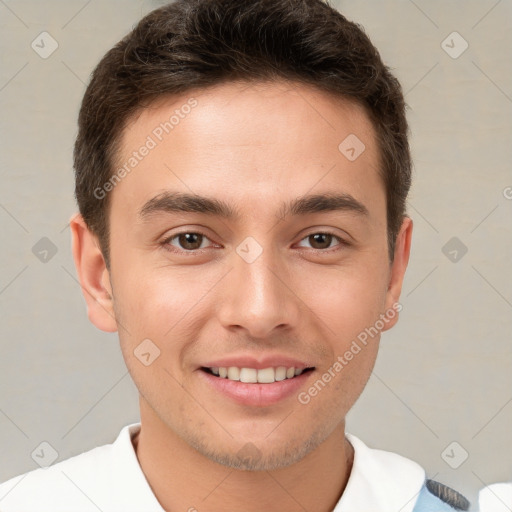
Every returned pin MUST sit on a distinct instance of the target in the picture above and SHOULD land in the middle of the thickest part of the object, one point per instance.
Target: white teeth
(233, 373)
(248, 375)
(281, 373)
(252, 375)
(267, 375)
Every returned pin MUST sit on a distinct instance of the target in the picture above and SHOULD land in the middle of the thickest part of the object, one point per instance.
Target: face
(278, 261)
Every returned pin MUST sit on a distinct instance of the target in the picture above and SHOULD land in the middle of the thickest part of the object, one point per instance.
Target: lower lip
(256, 394)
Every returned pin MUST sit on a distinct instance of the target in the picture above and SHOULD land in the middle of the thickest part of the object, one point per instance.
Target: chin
(262, 455)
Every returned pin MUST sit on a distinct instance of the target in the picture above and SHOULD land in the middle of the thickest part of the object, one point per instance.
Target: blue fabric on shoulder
(427, 502)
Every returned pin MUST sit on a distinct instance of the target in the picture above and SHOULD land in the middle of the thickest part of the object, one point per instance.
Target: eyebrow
(178, 202)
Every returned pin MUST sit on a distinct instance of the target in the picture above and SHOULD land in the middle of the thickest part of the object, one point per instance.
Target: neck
(183, 479)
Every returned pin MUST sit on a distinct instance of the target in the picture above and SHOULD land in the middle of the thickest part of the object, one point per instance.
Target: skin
(253, 146)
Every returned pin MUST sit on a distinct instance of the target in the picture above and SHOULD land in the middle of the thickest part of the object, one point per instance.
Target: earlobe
(93, 275)
(398, 268)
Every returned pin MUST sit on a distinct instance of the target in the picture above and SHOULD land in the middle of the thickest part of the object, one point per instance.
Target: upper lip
(259, 363)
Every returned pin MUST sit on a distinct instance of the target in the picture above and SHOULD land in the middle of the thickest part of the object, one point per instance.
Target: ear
(397, 271)
(93, 275)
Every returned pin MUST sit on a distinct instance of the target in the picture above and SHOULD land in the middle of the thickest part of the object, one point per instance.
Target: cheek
(155, 309)
(346, 300)
(155, 301)
(168, 306)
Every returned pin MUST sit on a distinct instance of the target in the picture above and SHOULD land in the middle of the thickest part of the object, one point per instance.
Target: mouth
(256, 387)
(246, 375)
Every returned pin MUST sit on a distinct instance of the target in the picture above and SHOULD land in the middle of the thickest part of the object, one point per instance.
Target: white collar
(123, 453)
(380, 481)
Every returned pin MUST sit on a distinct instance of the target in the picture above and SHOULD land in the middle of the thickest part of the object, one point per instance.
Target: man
(221, 145)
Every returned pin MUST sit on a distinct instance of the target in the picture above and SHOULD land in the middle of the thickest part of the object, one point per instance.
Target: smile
(253, 375)
(260, 387)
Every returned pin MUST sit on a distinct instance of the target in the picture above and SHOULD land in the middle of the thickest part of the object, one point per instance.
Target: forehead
(255, 141)
(293, 109)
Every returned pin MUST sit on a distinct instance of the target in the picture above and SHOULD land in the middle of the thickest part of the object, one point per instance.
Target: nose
(258, 297)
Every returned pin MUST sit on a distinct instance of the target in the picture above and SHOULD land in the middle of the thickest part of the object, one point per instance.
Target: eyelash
(170, 248)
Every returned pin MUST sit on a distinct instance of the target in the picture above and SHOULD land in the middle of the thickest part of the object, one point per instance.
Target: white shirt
(109, 478)
(493, 498)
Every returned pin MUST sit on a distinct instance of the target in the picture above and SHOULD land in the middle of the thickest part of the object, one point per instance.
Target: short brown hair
(194, 44)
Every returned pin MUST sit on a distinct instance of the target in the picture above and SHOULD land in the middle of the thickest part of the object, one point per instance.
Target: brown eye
(188, 241)
(322, 241)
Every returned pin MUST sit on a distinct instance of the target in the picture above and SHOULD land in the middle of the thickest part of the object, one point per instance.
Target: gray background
(443, 374)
